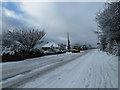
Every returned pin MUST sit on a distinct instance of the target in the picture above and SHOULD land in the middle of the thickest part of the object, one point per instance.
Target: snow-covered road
(93, 70)
(10, 69)
(15, 72)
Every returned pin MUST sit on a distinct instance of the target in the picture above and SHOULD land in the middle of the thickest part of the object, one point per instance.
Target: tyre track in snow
(61, 76)
(16, 68)
(88, 71)
(59, 62)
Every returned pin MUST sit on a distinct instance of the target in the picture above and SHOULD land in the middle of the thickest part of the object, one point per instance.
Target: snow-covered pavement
(93, 70)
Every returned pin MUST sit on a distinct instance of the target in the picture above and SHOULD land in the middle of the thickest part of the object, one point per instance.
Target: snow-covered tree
(28, 38)
(109, 24)
(19, 41)
(9, 44)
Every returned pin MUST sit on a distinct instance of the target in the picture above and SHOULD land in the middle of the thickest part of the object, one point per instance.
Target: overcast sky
(57, 18)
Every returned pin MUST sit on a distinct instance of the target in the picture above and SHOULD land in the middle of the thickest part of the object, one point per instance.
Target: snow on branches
(23, 38)
(109, 24)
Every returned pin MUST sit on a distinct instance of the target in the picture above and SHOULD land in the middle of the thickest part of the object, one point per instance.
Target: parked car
(75, 50)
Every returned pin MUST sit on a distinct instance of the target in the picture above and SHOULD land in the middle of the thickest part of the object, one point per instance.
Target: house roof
(50, 44)
(38, 46)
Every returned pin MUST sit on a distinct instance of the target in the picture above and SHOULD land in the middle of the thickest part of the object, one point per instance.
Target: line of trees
(21, 41)
(108, 21)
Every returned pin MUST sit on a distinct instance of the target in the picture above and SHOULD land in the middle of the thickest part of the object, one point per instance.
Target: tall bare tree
(28, 38)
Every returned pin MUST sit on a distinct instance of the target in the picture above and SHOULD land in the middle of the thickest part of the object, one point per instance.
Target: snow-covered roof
(38, 46)
(51, 44)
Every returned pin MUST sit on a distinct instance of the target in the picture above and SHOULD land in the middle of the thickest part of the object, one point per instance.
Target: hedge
(19, 57)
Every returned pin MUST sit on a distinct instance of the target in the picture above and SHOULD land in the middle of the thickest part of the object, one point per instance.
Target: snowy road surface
(15, 72)
(92, 70)
(10, 69)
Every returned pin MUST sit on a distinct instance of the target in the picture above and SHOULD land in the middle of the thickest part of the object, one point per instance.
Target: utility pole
(68, 41)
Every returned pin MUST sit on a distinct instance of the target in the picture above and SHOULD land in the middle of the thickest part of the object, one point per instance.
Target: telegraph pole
(68, 41)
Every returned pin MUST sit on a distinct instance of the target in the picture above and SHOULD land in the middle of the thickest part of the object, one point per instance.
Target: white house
(50, 45)
(39, 46)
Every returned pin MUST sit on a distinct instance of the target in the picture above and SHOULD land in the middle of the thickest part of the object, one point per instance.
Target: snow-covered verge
(96, 69)
(25, 69)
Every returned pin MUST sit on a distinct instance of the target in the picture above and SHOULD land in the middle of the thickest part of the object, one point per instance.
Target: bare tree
(28, 38)
(7, 41)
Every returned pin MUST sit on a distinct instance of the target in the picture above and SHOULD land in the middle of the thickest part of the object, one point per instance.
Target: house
(50, 45)
(39, 45)
(62, 46)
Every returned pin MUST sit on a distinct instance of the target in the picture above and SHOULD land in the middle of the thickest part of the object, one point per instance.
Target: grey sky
(57, 18)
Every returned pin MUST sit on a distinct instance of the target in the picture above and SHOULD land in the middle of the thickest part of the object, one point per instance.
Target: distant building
(39, 45)
(62, 46)
(50, 45)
